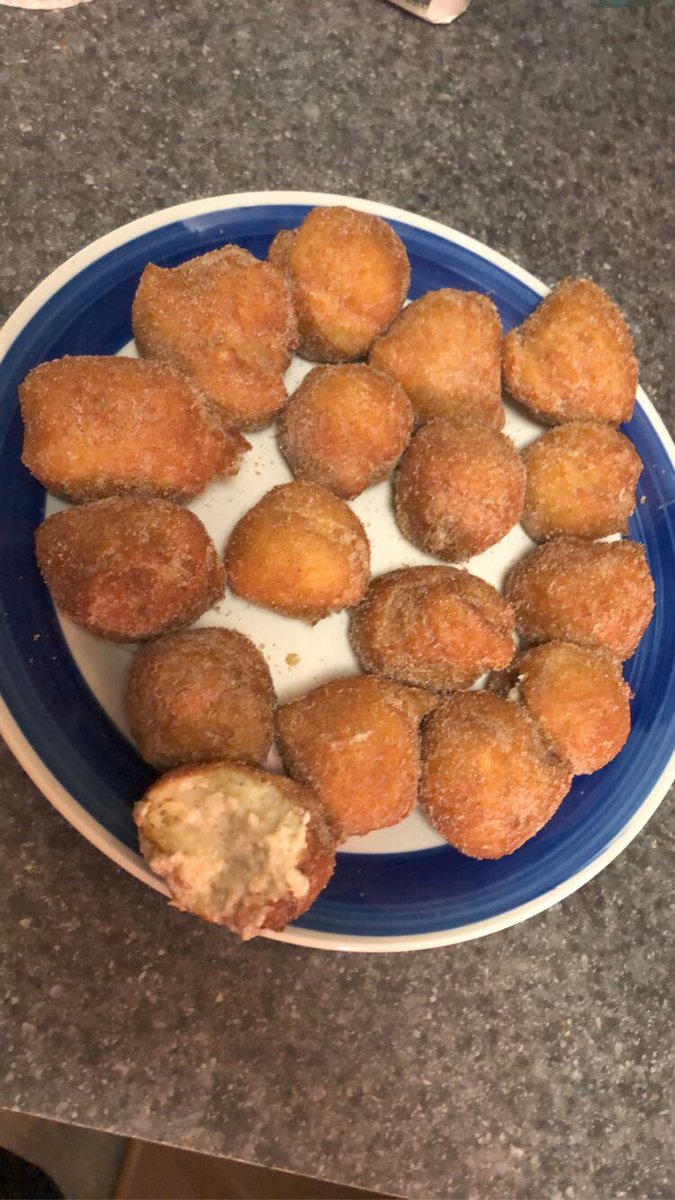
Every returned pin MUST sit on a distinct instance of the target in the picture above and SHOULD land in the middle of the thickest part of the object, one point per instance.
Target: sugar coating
(573, 358)
(345, 427)
(445, 351)
(594, 593)
(96, 426)
(437, 627)
(489, 781)
(578, 696)
(356, 742)
(581, 482)
(459, 489)
(300, 551)
(128, 569)
(227, 320)
(349, 274)
(236, 846)
(198, 695)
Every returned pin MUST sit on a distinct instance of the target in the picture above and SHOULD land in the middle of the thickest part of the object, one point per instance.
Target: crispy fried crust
(356, 742)
(280, 250)
(251, 916)
(98, 426)
(581, 482)
(345, 427)
(317, 863)
(577, 695)
(438, 627)
(227, 321)
(489, 779)
(594, 593)
(200, 694)
(299, 551)
(349, 273)
(459, 489)
(128, 569)
(573, 359)
(445, 350)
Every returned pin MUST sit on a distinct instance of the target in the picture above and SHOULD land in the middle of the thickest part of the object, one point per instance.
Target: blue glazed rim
(67, 743)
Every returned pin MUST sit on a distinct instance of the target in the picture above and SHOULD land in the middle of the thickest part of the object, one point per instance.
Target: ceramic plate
(61, 711)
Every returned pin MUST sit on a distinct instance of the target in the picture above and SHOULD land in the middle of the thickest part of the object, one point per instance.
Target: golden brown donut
(236, 846)
(581, 482)
(437, 627)
(577, 695)
(198, 695)
(345, 427)
(445, 350)
(128, 569)
(227, 320)
(356, 742)
(489, 779)
(98, 426)
(459, 489)
(594, 593)
(349, 273)
(573, 359)
(299, 551)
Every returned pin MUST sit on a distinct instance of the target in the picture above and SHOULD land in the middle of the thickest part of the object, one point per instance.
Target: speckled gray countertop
(537, 1062)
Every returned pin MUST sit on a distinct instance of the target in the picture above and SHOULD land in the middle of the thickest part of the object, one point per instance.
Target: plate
(60, 689)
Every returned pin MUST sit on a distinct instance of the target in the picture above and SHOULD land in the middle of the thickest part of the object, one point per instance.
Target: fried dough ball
(227, 320)
(128, 569)
(299, 551)
(594, 593)
(345, 427)
(572, 359)
(445, 350)
(437, 627)
(349, 274)
(459, 489)
(577, 695)
(489, 780)
(236, 846)
(98, 426)
(581, 482)
(198, 695)
(356, 742)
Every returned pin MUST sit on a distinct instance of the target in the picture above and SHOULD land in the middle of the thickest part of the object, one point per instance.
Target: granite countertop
(535, 1062)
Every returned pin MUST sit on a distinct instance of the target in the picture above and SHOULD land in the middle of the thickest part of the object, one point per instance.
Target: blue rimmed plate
(61, 707)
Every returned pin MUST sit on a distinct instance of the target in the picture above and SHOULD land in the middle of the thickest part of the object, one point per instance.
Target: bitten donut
(236, 846)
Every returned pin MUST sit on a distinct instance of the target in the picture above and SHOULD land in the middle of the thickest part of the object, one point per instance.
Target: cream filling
(222, 839)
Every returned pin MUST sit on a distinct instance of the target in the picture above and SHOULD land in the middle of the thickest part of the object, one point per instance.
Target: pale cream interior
(221, 839)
